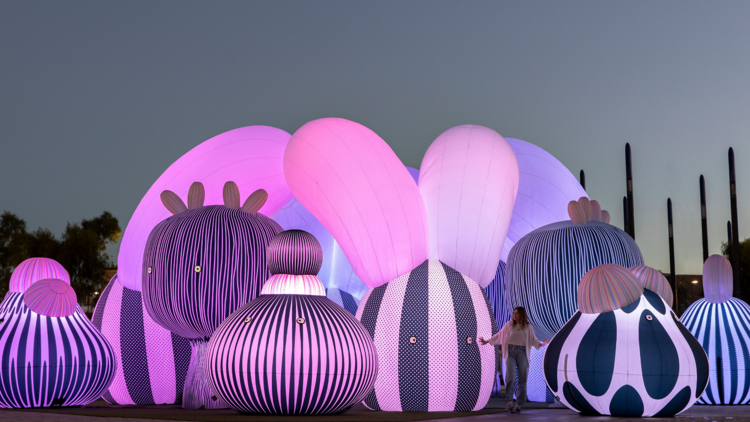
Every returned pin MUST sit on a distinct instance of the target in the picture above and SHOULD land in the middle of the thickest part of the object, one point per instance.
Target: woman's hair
(524, 317)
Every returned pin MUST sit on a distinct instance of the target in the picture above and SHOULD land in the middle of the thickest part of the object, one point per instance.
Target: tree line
(81, 249)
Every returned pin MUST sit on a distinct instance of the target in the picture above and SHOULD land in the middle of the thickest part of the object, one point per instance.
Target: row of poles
(732, 231)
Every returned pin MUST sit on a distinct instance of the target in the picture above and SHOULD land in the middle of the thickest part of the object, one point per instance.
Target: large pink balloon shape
(250, 156)
(469, 179)
(354, 184)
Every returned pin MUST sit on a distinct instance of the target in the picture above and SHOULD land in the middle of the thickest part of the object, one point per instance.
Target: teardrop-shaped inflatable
(469, 180)
(353, 183)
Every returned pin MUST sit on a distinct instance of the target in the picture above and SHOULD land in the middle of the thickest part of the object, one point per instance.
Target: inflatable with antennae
(721, 323)
(423, 314)
(200, 265)
(545, 266)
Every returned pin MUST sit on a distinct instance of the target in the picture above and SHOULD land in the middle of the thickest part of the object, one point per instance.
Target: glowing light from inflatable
(353, 183)
(545, 267)
(655, 281)
(249, 156)
(637, 360)
(202, 264)
(291, 354)
(721, 323)
(469, 179)
(425, 325)
(545, 186)
(50, 360)
(151, 361)
(32, 270)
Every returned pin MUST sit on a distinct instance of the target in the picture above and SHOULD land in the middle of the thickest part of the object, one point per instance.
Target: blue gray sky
(98, 98)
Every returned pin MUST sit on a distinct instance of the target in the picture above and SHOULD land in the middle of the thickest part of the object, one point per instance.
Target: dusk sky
(98, 98)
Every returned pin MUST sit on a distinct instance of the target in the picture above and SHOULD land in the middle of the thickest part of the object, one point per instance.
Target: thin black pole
(672, 276)
(729, 232)
(735, 230)
(704, 224)
(583, 180)
(625, 214)
(629, 177)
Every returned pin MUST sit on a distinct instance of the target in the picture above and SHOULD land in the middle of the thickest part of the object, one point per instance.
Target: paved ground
(104, 413)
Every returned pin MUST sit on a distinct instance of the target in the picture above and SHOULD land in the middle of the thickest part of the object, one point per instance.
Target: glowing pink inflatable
(350, 180)
(545, 186)
(469, 179)
(250, 156)
(34, 269)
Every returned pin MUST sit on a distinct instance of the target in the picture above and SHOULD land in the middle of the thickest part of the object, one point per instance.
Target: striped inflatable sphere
(34, 269)
(545, 267)
(291, 355)
(204, 262)
(655, 281)
(51, 361)
(151, 361)
(630, 362)
(51, 297)
(723, 329)
(606, 288)
(294, 252)
(425, 325)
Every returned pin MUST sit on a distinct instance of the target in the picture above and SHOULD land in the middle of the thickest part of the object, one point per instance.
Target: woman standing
(516, 339)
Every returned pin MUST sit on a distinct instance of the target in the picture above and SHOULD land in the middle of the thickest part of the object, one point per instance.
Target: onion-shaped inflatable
(721, 323)
(292, 353)
(425, 325)
(631, 361)
(200, 265)
(52, 356)
(151, 361)
(545, 267)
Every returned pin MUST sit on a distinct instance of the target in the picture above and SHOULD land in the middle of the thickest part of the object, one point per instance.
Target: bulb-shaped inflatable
(292, 351)
(624, 353)
(51, 354)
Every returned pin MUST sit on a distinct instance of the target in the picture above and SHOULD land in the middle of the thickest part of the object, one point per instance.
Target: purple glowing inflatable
(151, 361)
(53, 357)
(200, 265)
(34, 269)
(292, 354)
(250, 156)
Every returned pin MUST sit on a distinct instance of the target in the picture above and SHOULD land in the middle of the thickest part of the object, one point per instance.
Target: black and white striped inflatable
(293, 355)
(295, 252)
(51, 361)
(151, 361)
(425, 325)
(545, 266)
(723, 329)
(202, 264)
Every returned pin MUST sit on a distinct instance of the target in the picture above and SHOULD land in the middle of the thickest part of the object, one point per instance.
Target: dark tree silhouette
(726, 250)
(81, 250)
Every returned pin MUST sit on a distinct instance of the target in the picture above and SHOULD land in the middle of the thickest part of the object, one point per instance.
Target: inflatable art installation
(624, 353)
(249, 156)
(200, 265)
(545, 266)
(721, 323)
(545, 187)
(51, 354)
(32, 270)
(336, 272)
(292, 351)
(343, 299)
(151, 361)
(353, 183)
